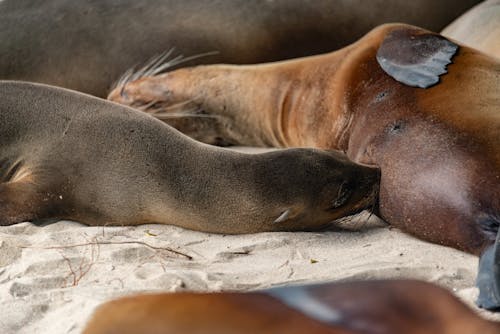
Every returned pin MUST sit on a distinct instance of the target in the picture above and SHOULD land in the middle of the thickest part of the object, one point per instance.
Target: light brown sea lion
(67, 155)
(478, 28)
(87, 45)
(371, 307)
(438, 148)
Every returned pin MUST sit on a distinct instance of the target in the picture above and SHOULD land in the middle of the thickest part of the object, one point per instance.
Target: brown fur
(67, 155)
(382, 307)
(438, 148)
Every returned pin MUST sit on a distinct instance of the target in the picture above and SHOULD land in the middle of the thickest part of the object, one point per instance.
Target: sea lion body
(87, 45)
(71, 156)
(388, 307)
(438, 148)
(478, 28)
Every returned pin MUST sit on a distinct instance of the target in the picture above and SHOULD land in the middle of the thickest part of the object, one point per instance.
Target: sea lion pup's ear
(488, 278)
(415, 57)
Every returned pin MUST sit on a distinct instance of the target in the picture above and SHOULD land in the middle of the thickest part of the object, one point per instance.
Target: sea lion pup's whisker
(372, 209)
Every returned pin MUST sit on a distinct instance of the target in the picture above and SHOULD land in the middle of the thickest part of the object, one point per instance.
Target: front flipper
(19, 202)
(488, 278)
(415, 57)
(28, 195)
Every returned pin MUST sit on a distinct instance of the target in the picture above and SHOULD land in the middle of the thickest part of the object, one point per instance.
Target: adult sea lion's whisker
(180, 60)
(184, 114)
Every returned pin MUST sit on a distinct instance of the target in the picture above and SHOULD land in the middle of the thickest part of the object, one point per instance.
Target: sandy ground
(52, 277)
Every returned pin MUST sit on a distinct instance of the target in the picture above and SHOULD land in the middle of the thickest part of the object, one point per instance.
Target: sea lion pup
(478, 28)
(370, 307)
(67, 155)
(86, 45)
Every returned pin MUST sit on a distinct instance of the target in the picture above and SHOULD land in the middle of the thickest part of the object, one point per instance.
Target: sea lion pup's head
(316, 187)
(297, 189)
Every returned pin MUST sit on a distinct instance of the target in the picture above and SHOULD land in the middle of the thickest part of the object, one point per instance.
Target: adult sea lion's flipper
(488, 278)
(415, 57)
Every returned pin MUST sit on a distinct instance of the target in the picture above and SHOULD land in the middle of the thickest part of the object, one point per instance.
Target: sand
(52, 277)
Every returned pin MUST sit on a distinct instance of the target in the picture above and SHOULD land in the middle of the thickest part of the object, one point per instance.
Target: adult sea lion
(478, 28)
(438, 148)
(86, 45)
(370, 307)
(67, 155)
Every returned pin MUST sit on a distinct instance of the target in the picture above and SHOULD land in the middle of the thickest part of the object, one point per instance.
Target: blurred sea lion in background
(478, 28)
(87, 45)
(371, 307)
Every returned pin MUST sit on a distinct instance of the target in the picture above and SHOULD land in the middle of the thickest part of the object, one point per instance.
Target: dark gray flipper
(488, 278)
(414, 57)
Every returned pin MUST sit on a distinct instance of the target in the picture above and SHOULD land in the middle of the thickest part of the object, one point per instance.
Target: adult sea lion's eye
(396, 127)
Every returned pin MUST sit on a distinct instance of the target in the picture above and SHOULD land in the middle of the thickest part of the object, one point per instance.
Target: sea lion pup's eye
(345, 191)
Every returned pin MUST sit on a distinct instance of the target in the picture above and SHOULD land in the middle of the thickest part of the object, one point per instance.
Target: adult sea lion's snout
(168, 97)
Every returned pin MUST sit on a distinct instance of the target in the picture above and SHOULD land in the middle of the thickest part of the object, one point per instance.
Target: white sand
(48, 287)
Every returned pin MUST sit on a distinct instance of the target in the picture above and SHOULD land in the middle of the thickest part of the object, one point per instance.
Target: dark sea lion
(438, 148)
(478, 28)
(371, 307)
(67, 155)
(86, 45)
